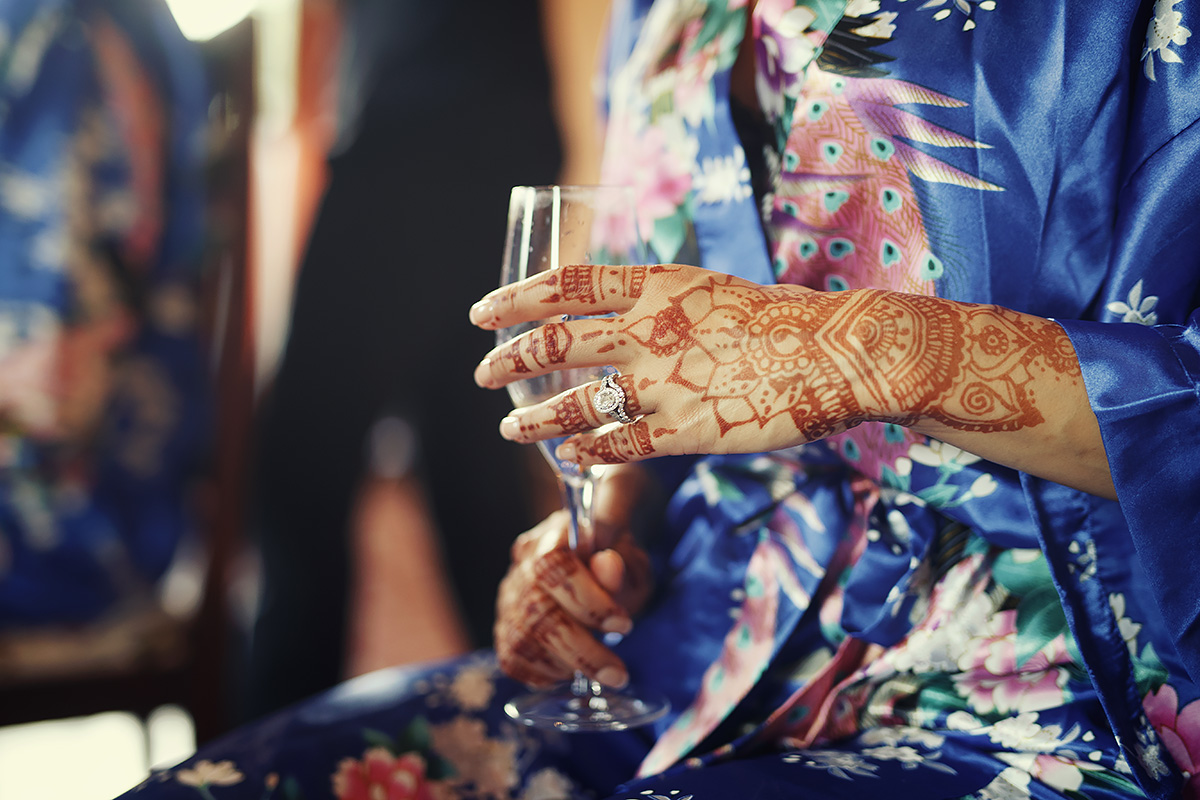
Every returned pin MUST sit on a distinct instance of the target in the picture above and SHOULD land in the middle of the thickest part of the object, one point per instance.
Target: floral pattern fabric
(103, 408)
(878, 611)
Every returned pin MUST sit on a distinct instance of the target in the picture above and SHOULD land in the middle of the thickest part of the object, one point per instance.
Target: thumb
(609, 568)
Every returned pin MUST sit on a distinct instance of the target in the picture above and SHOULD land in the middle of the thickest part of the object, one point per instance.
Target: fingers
(548, 608)
(618, 445)
(609, 569)
(563, 576)
(571, 412)
(543, 645)
(580, 290)
(516, 639)
(585, 343)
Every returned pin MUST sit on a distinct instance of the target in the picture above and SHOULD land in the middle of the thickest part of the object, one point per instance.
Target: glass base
(605, 710)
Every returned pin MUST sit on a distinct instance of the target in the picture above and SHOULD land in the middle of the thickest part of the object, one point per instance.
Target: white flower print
(1150, 752)
(984, 485)
(1023, 733)
(860, 8)
(1128, 628)
(907, 756)
(1164, 30)
(898, 734)
(207, 773)
(839, 764)
(723, 179)
(26, 196)
(1084, 560)
(709, 484)
(489, 764)
(472, 687)
(940, 454)
(1011, 784)
(1059, 772)
(548, 784)
(967, 7)
(1136, 309)
(940, 647)
(882, 26)
(964, 721)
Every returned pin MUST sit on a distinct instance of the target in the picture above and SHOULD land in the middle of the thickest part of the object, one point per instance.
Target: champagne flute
(551, 226)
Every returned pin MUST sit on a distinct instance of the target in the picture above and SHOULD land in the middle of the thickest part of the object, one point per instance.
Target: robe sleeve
(1144, 386)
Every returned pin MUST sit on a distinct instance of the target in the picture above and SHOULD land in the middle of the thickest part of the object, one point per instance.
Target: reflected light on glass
(203, 19)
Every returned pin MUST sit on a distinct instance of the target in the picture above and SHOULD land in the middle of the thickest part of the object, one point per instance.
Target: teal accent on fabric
(808, 249)
(832, 151)
(932, 268)
(835, 200)
(840, 248)
(816, 110)
(890, 199)
(1020, 577)
(850, 448)
(836, 283)
(1040, 620)
(828, 13)
(669, 235)
(882, 149)
(889, 253)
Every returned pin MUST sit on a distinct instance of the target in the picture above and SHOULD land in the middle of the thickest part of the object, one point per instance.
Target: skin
(715, 364)
(550, 604)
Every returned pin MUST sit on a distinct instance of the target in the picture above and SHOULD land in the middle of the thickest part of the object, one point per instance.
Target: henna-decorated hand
(716, 364)
(713, 363)
(550, 604)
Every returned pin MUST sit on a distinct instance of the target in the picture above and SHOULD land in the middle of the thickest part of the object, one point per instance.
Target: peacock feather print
(846, 203)
(846, 208)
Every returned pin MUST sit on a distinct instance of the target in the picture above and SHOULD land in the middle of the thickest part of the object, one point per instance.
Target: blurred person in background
(373, 430)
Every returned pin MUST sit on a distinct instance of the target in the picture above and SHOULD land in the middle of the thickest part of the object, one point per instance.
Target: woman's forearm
(995, 382)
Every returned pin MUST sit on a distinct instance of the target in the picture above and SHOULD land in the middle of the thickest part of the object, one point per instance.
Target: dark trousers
(410, 234)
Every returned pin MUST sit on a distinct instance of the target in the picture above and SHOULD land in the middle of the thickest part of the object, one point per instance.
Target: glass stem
(577, 500)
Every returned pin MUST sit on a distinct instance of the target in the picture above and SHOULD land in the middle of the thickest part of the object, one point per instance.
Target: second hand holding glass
(548, 227)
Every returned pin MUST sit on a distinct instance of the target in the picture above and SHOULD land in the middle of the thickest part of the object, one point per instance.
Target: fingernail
(483, 312)
(615, 624)
(483, 373)
(566, 452)
(510, 428)
(613, 676)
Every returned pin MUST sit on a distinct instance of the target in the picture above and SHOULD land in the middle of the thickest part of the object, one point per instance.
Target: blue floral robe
(879, 611)
(103, 382)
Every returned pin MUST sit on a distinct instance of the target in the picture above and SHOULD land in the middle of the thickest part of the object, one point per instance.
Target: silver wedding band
(610, 399)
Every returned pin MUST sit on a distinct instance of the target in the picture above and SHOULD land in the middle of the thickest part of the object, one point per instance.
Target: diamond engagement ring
(610, 399)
